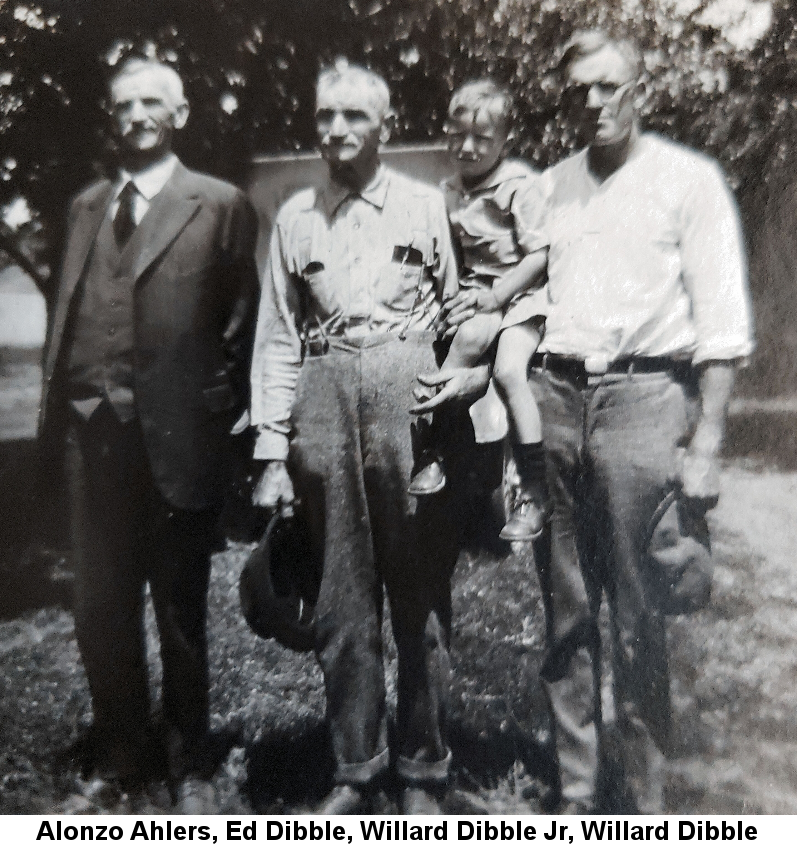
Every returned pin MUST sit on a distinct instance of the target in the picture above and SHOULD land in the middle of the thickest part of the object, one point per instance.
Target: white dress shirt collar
(150, 180)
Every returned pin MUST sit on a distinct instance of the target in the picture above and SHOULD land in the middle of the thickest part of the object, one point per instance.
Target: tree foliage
(249, 67)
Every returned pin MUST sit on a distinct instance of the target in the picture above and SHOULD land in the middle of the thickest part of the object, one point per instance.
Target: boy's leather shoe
(526, 522)
(430, 479)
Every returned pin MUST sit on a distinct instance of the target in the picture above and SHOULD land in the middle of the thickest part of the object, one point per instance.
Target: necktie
(124, 222)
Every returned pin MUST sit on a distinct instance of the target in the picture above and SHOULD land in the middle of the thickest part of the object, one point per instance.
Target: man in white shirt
(146, 372)
(649, 317)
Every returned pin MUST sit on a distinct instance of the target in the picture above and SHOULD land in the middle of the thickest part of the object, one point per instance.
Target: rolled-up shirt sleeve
(714, 270)
(276, 358)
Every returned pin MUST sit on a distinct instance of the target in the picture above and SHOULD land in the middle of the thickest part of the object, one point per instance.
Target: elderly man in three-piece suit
(147, 369)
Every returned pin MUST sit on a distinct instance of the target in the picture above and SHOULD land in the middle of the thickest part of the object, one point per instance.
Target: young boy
(492, 204)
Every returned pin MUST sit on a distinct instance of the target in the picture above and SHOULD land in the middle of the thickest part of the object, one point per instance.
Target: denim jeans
(611, 442)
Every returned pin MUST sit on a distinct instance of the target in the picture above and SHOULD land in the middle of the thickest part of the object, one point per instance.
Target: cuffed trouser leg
(326, 465)
(415, 546)
(351, 458)
(362, 773)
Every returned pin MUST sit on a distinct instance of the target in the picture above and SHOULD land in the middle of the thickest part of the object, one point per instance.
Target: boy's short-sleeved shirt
(495, 225)
(495, 222)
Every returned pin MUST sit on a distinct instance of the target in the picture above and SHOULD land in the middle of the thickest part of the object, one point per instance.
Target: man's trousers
(351, 460)
(125, 535)
(611, 442)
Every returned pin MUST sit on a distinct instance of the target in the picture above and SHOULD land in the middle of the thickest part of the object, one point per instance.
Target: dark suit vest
(101, 357)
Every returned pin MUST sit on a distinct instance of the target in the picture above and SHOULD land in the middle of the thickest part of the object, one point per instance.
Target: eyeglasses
(603, 92)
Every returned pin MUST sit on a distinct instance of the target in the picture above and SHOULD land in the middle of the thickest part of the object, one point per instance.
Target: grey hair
(170, 79)
(585, 43)
(342, 71)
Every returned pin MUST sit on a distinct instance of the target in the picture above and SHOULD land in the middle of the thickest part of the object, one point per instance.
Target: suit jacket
(194, 304)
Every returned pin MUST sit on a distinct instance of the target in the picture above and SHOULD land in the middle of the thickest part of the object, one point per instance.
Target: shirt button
(111, 331)
(356, 261)
(356, 225)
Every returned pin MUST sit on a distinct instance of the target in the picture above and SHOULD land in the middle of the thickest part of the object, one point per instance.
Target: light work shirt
(344, 264)
(648, 263)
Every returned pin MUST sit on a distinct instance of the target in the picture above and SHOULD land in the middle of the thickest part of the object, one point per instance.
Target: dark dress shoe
(196, 797)
(345, 800)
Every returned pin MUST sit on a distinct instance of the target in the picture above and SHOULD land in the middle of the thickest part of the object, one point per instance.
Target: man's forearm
(716, 384)
(525, 275)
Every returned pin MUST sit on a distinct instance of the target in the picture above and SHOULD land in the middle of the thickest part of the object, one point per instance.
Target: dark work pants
(611, 444)
(351, 460)
(124, 534)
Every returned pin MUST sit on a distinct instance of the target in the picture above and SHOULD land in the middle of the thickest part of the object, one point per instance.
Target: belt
(575, 369)
(319, 346)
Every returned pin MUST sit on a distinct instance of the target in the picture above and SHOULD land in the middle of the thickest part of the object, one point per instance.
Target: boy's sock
(530, 462)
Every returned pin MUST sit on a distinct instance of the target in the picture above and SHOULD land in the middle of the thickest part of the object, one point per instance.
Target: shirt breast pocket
(402, 277)
(323, 300)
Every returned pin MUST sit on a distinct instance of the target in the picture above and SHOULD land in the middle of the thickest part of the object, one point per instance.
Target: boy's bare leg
(516, 345)
(470, 343)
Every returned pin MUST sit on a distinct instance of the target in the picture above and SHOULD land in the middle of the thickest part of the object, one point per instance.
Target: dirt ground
(734, 685)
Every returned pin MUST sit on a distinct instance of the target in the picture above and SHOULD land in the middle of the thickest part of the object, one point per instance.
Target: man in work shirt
(649, 318)
(357, 269)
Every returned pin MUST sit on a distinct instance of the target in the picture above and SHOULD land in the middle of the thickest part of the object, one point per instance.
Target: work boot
(533, 509)
(420, 801)
(345, 800)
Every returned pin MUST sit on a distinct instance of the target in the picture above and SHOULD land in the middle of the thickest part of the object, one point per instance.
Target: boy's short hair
(170, 79)
(342, 70)
(483, 96)
(585, 43)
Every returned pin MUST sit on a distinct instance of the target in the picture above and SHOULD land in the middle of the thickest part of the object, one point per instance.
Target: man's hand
(461, 383)
(699, 468)
(699, 475)
(463, 306)
(274, 491)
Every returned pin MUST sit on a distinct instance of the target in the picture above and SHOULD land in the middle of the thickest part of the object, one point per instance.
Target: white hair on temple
(170, 79)
(343, 71)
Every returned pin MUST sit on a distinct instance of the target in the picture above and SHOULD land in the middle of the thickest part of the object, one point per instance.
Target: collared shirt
(148, 183)
(345, 263)
(648, 263)
(495, 221)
